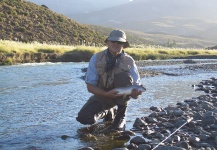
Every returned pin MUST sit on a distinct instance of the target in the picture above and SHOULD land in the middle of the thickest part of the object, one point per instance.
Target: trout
(127, 90)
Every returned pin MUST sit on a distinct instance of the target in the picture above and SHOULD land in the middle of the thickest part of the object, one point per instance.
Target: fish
(128, 89)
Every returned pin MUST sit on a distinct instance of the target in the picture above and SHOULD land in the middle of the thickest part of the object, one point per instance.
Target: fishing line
(188, 120)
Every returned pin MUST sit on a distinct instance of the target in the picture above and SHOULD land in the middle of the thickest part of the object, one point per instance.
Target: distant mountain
(195, 19)
(69, 7)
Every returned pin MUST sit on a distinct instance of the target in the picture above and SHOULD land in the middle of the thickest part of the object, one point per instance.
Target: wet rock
(209, 120)
(151, 120)
(148, 133)
(131, 133)
(144, 147)
(64, 137)
(123, 137)
(159, 135)
(169, 148)
(193, 139)
(132, 146)
(176, 138)
(183, 144)
(200, 145)
(199, 133)
(179, 122)
(138, 140)
(204, 137)
(139, 123)
(174, 111)
(153, 108)
(168, 125)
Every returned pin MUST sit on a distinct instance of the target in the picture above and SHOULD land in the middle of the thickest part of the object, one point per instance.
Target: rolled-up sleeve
(135, 75)
(91, 75)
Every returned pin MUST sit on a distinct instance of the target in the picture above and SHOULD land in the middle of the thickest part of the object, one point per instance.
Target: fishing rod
(188, 120)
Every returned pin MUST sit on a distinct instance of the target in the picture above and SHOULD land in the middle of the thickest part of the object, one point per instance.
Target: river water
(39, 102)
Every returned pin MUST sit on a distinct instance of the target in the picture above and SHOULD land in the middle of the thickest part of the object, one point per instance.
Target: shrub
(193, 52)
(46, 51)
(8, 61)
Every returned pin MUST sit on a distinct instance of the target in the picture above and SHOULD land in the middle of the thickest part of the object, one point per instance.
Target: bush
(46, 51)
(8, 61)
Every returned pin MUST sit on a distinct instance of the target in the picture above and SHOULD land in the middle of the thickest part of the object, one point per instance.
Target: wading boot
(110, 116)
(119, 123)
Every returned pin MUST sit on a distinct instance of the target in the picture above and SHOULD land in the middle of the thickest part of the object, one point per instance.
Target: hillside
(25, 21)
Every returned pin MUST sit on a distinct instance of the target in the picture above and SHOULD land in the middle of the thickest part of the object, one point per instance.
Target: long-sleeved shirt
(92, 76)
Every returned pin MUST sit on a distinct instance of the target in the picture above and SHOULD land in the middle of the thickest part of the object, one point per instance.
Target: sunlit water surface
(39, 103)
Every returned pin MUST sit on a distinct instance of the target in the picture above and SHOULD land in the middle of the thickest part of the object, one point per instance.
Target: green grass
(83, 53)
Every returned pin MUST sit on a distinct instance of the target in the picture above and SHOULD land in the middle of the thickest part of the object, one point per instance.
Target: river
(39, 103)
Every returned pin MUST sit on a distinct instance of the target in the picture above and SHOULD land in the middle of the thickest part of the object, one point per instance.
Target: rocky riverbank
(190, 125)
(184, 66)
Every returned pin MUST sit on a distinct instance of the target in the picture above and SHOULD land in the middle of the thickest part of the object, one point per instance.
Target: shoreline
(197, 116)
(189, 125)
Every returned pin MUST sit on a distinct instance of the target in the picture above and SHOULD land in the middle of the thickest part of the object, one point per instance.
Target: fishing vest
(106, 79)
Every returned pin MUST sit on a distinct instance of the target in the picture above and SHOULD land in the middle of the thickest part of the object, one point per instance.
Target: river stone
(209, 120)
(209, 113)
(169, 148)
(174, 111)
(214, 134)
(151, 120)
(168, 125)
(176, 138)
(144, 147)
(162, 113)
(200, 144)
(197, 116)
(159, 135)
(123, 137)
(193, 103)
(138, 140)
(162, 119)
(183, 144)
(153, 108)
(194, 139)
(139, 123)
(132, 146)
(207, 105)
(154, 114)
(148, 133)
(179, 122)
(127, 132)
(213, 126)
(204, 136)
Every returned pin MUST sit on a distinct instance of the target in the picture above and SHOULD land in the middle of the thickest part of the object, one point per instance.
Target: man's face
(115, 47)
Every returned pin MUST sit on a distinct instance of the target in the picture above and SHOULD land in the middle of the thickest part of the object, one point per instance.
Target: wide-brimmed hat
(118, 35)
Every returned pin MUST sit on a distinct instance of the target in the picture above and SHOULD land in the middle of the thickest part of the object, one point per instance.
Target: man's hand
(135, 93)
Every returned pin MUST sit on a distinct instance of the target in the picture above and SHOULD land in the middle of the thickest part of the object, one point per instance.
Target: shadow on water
(39, 103)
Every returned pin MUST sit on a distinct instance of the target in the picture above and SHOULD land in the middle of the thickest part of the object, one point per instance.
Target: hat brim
(126, 43)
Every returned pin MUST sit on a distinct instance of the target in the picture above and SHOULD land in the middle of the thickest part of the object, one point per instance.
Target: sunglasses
(118, 42)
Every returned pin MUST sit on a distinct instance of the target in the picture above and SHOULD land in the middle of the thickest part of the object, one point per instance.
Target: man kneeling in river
(107, 70)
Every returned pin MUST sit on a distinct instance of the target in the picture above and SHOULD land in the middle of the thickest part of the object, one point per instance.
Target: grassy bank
(11, 50)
